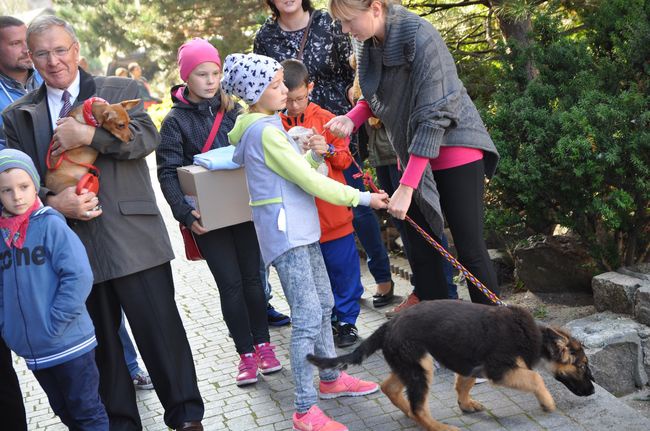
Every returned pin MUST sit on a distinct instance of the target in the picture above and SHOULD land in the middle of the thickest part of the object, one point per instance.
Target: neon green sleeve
(283, 159)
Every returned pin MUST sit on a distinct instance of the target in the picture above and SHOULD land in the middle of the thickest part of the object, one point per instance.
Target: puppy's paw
(471, 406)
(548, 407)
(446, 427)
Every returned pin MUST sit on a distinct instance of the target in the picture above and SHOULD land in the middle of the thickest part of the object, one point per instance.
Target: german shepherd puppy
(473, 340)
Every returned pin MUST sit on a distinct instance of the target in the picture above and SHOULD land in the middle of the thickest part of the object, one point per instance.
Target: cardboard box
(221, 197)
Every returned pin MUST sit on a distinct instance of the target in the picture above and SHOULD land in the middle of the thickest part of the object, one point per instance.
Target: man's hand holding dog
(72, 205)
(70, 134)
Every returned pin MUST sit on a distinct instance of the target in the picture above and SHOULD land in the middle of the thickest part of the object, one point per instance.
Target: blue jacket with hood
(43, 291)
(12, 90)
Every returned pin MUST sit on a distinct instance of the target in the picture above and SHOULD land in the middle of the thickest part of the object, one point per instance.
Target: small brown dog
(73, 166)
(502, 344)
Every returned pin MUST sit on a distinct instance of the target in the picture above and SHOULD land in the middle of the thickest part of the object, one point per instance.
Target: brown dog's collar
(89, 118)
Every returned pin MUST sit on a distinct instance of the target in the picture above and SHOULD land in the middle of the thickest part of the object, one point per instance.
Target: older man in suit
(125, 237)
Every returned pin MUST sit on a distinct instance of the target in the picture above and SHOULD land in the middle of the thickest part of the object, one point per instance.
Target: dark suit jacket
(130, 235)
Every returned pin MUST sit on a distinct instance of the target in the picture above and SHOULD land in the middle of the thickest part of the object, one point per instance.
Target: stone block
(615, 292)
(642, 305)
(503, 266)
(553, 264)
(615, 347)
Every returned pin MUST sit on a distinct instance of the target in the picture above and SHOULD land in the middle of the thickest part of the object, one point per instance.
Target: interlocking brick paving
(268, 405)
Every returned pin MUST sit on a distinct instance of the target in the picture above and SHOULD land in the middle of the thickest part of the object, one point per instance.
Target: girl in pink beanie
(232, 252)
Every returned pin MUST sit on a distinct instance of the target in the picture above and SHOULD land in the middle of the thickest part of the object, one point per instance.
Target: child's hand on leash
(400, 202)
(379, 201)
(317, 144)
(340, 126)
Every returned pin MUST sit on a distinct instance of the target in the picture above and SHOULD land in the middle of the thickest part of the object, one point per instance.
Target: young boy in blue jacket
(45, 278)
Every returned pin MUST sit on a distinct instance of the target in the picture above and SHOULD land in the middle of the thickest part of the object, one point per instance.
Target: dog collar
(89, 118)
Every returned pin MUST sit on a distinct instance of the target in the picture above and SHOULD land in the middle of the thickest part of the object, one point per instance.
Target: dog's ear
(108, 114)
(557, 343)
(130, 104)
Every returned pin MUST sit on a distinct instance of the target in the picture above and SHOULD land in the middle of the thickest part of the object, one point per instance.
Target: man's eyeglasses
(57, 52)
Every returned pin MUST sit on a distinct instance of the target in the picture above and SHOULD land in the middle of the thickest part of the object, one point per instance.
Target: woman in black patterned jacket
(326, 55)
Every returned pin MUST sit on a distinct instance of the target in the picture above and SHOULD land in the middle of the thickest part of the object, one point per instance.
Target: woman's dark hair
(306, 6)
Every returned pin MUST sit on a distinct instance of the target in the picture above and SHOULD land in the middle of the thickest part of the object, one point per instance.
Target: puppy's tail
(365, 349)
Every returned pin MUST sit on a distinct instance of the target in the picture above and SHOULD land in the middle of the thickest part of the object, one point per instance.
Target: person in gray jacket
(121, 228)
(409, 81)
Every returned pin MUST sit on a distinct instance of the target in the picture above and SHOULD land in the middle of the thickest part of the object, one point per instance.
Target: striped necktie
(67, 106)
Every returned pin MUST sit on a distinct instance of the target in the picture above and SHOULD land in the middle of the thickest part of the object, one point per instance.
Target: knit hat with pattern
(247, 75)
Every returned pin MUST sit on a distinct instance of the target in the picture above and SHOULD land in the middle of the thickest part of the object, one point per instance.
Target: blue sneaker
(275, 317)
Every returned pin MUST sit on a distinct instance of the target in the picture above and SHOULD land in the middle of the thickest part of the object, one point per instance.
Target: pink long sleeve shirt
(448, 157)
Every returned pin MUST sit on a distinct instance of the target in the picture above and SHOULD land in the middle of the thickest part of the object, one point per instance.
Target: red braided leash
(367, 179)
(89, 118)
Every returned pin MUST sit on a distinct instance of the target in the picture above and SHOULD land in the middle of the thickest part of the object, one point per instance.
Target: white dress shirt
(54, 96)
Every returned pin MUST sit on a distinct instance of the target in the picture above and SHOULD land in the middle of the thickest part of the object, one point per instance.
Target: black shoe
(335, 328)
(382, 300)
(275, 317)
(347, 335)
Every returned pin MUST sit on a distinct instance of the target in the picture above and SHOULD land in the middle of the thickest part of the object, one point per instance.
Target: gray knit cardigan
(411, 84)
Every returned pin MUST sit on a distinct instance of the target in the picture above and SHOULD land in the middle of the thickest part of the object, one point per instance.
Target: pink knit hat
(195, 52)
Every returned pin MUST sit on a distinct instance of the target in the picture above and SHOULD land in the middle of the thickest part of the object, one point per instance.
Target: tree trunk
(516, 32)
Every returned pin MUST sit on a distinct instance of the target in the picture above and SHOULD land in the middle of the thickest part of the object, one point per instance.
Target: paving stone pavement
(268, 405)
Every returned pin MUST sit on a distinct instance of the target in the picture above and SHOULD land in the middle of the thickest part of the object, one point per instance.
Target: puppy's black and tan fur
(502, 344)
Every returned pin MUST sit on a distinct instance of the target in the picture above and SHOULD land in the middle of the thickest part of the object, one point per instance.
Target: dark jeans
(461, 197)
(233, 255)
(366, 226)
(72, 389)
(11, 399)
(147, 298)
(388, 177)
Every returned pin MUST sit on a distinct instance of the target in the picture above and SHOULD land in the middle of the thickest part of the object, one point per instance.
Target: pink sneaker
(316, 420)
(266, 360)
(346, 386)
(247, 369)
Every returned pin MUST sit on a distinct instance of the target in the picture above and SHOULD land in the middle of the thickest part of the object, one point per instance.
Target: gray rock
(615, 292)
(503, 266)
(552, 264)
(642, 305)
(616, 347)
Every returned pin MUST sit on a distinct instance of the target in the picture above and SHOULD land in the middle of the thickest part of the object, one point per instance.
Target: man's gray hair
(45, 22)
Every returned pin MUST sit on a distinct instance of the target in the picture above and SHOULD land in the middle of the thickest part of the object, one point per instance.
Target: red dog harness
(89, 181)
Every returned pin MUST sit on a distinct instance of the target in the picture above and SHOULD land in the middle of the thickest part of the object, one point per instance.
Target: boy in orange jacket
(337, 233)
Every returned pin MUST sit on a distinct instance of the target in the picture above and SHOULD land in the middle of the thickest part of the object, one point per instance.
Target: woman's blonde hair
(227, 102)
(341, 9)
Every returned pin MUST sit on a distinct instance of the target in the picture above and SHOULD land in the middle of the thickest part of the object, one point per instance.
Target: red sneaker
(316, 420)
(410, 301)
(266, 360)
(247, 369)
(346, 386)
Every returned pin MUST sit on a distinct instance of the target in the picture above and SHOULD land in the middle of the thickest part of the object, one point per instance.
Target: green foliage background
(563, 86)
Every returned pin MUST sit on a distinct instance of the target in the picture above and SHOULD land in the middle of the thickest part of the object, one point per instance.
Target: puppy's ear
(557, 343)
(130, 104)
(108, 114)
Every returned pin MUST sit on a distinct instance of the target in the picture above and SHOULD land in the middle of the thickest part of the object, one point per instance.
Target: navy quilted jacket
(183, 134)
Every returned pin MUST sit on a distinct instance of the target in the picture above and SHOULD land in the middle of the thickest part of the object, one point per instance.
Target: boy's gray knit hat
(247, 75)
(11, 159)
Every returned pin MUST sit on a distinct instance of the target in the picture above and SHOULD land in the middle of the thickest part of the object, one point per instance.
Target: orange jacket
(335, 220)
